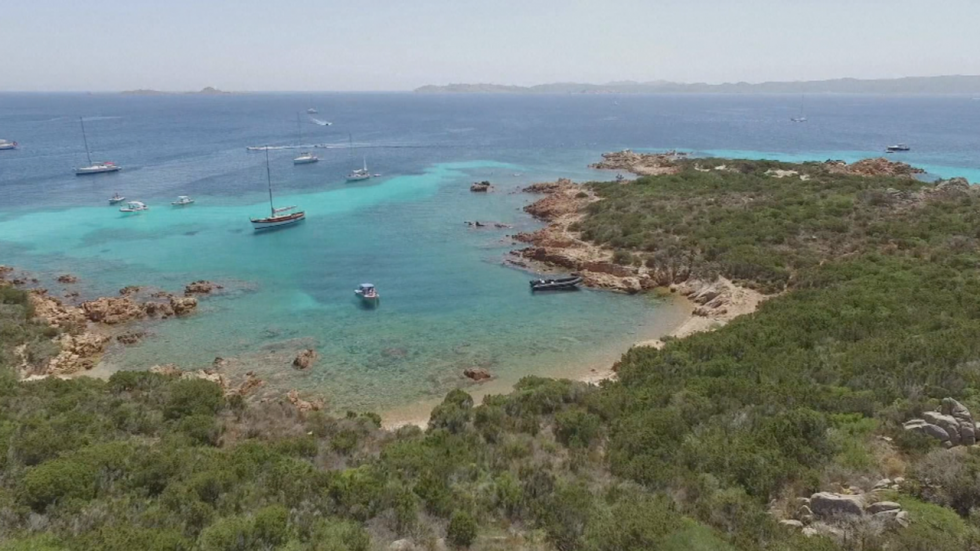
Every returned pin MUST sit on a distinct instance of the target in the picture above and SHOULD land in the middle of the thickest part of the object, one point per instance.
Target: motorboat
(305, 158)
(7, 145)
(279, 217)
(556, 284)
(134, 206)
(368, 293)
(116, 199)
(93, 168)
(182, 200)
(897, 148)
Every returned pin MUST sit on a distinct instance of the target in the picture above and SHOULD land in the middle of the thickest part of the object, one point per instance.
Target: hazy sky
(400, 44)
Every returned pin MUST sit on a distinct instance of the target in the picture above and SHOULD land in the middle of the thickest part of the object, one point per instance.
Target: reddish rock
(129, 290)
(67, 278)
(478, 374)
(131, 337)
(112, 311)
(183, 305)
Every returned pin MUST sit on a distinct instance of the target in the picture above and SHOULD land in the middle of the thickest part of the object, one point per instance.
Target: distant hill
(954, 84)
(209, 91)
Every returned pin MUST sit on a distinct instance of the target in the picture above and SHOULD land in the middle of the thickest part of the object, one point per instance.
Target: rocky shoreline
(558, 247)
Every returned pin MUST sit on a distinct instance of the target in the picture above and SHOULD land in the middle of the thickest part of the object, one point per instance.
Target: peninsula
(953, 84)
(838, 411)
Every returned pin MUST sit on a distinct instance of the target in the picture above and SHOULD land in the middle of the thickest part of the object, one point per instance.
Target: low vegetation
(700, 445)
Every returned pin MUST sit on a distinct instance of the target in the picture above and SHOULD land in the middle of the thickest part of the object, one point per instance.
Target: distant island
(208, 91)
(954, 84)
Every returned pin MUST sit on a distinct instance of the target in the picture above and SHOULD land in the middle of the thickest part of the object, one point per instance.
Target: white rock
(883, 506)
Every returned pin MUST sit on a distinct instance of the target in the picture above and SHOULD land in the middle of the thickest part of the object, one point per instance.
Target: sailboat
(282, 216)
(357, 174)
(802, 117)
(305, 157)
(93, 168)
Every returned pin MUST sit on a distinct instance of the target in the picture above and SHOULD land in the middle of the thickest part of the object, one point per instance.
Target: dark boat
(898, 148)
(557, 284)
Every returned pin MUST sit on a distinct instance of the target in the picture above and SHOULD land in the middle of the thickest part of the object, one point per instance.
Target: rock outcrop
(952, 425)
(201, 287)
(481, 187)
(78, 353)
(130, 337)
(826, 504)
(67, 278)
(305, 359)
(113, 310)
(302, 405)
(641, 164)
(183, 305)
(873, 167)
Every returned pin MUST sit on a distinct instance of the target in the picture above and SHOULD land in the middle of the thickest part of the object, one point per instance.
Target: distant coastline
(208, 91)
(953, 84)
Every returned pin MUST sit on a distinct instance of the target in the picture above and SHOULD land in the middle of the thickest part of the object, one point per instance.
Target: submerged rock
(67, 278)
(131, 337)
(201, 287)
(306, 359)
(479, 187)
(478, 374)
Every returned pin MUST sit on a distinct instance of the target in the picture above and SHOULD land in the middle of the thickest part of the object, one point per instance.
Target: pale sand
(743, 301)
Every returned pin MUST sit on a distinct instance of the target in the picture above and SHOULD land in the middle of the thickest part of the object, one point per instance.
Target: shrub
(462, 529)
(193, 397)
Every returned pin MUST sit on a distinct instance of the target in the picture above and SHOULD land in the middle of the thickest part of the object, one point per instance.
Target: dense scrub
(694, 448)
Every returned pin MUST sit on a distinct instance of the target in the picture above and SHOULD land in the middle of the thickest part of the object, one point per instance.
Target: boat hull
(305, 161)
(84, 171)
(7, 146)
(277, 221)
(559, 284)
(358, 178)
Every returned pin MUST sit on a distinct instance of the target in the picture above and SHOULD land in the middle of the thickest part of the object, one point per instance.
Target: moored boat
(898, 148)
(282, 216)
(7, 145)
(115, 199)
(368, 293)
(182, 200)
(93, 168)
(305, 158)
(312, 111)
(134, 206)
(357, 174)
(556, 284)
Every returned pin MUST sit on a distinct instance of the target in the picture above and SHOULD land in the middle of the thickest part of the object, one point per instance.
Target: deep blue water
(447, 302)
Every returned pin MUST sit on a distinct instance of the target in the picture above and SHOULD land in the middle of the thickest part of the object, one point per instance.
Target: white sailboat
(802, 117)
(7, 145)
(305, 157)
(357, 174)
(93, 168)
(282, 216)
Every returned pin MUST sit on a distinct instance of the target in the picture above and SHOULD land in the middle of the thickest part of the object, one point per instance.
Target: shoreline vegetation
(835, 416)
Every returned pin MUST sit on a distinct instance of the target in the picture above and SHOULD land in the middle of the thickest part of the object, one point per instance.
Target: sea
(448, 301)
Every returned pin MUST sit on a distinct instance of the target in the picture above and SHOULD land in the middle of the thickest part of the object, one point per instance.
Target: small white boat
(368, 294)
(312, 111)
(182, 200)
(134, 206)
(93, 168)
(305, 158)
(115, 199)
(358, 174)
(802, 117)
(898, 148)
(282, 216)
(7, 145)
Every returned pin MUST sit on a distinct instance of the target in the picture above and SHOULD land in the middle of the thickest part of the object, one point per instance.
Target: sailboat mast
(299, 129)
(85, 140)
(268, 177)
(350, 149)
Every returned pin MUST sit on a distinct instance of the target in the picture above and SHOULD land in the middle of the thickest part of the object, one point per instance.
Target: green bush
(462, 529)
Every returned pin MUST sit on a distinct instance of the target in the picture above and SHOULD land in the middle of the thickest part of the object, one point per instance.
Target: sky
(350, 45)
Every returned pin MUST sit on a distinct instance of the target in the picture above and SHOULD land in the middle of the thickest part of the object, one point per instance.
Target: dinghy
(556, 284)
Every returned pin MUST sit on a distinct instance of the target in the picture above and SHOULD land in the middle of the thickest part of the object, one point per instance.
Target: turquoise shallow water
(447, 302)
